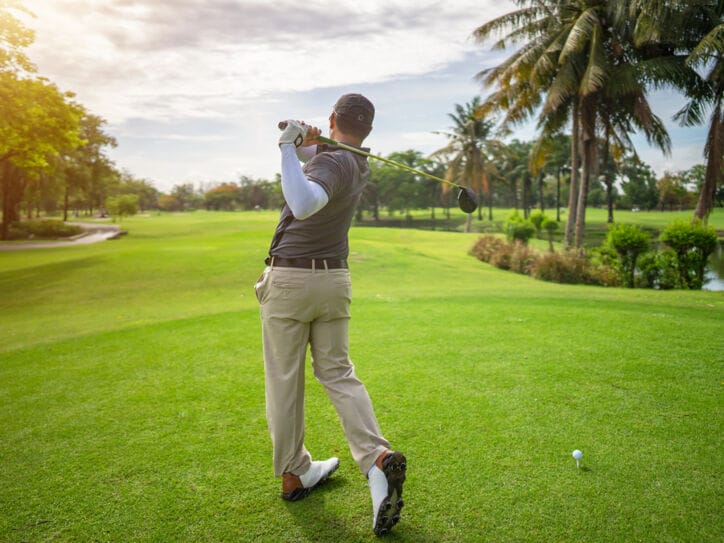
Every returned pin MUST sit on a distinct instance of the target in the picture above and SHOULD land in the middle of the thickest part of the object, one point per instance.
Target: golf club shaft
(330, 141)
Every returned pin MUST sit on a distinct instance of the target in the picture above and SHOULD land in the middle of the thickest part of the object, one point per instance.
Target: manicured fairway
(132, 397)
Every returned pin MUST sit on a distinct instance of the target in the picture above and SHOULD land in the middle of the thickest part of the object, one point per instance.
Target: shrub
(550, 226)
(658, 269)
(502, 257)
(573, 268)
(122, 205)
(43, 229)
(522, 258)
(537, 218)
(486, 247)
(629, 241)
(518, 229)
(692, 243)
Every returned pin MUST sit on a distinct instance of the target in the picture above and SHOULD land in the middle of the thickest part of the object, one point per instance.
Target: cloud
(209, 58)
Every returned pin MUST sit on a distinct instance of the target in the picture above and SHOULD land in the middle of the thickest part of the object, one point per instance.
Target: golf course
(132, 395)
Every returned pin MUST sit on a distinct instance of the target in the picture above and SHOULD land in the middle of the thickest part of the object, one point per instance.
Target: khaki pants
(300, 307)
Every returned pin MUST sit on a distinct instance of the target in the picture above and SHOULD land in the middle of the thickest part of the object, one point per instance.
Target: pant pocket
(259, 286)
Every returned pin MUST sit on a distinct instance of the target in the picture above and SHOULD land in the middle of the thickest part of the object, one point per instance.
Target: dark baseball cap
(355, 108)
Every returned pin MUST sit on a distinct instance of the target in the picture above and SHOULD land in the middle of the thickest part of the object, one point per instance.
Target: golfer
(305, 294)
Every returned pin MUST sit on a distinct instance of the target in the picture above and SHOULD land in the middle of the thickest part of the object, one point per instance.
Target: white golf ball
(577, 454)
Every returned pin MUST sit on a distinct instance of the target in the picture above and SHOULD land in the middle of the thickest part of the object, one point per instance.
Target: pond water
(714, 279)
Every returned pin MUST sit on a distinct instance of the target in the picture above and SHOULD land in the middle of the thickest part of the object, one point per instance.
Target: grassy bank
(131, 396)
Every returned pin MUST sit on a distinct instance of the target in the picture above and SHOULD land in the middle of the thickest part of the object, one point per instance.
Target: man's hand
(310, 138)
(295, 132)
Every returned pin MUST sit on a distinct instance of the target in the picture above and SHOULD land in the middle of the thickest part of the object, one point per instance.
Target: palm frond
(710, 47)
(596, 72)
(498, 25)
(580, 34)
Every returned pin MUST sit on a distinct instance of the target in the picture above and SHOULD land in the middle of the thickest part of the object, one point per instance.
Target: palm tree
(552, 155)
(579, 57)
(469, 148)
(686, 39)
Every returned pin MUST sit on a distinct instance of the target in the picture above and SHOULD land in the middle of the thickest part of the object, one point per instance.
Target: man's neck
(341, 137)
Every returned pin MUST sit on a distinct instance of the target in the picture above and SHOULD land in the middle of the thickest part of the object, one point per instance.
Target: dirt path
(93, 234)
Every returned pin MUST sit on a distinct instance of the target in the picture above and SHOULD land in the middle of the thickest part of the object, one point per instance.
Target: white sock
(378, 489)
(317, 470)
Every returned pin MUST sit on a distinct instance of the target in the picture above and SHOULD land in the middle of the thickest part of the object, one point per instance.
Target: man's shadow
(320, 524)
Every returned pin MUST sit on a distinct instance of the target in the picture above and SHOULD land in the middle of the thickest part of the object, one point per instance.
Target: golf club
(467, 199)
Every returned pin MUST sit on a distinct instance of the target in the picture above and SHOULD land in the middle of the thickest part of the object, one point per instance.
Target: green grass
(132, 396)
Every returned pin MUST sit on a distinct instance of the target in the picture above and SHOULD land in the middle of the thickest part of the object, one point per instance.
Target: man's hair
(355, 114)
(353, 128)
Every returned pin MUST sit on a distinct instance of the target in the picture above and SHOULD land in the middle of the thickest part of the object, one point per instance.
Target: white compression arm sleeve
(304, 197)
(305, 153)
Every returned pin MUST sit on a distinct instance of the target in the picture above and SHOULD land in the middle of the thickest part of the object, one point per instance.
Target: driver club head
(467, 200)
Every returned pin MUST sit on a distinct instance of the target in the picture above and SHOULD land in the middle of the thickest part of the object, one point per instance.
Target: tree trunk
(588, 133)
(12, 191)
(607, 175)
(469, 223)
(573, 196)
(526, 195)
(541, 175)
(712, 177)
(65, 204)
(558, 196)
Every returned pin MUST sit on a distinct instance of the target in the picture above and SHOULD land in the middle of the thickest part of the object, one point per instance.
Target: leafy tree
(638, 182)
(186, 196)
(692, 243)
(37, 123)
(398, 189)
(14, 38)
(224, 197)
(87, 168)
(629, 241)
(143, 188)
(550, 226)
(672, 192)
(123, 205)
(519, 228)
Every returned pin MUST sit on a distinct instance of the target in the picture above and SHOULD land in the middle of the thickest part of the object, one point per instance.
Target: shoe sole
(394, 466)
(301, 493)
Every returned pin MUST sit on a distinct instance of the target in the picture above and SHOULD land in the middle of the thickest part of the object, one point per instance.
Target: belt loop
(325, 265)
(314, 265)
(272, 262)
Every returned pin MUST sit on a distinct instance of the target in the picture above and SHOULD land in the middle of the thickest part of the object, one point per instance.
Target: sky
(193, 89)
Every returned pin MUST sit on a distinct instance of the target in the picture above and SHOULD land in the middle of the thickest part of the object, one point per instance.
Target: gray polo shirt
(343, 175)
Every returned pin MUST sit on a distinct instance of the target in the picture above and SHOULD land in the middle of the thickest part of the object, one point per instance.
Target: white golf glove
(293, 133)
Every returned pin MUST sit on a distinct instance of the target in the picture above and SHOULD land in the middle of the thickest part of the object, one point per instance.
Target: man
(305, 294)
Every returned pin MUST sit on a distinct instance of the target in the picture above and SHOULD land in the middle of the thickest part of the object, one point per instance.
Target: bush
(692, 243)
(537, 218)
(501, 258)
(122, 205)
(573, 268)
(486, 247)
(522, 258)
(628, 241)
(518, 229)
(43, 229)
(658, 269)
(550, 226)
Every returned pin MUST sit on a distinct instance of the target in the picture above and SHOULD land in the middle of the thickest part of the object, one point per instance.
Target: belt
(307, 263)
